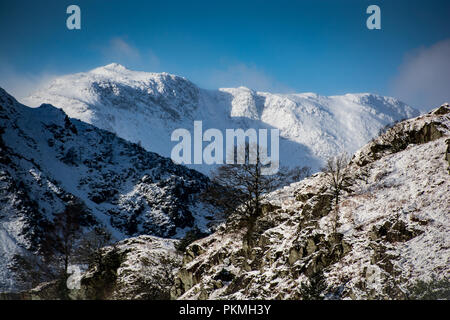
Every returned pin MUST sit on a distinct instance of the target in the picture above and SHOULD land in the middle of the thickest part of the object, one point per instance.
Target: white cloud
(123, 50)
(423, 79)
(243, 75)
(21, 85)
(120, 51)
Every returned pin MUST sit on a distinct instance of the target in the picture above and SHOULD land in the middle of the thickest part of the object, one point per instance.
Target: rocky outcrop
(137, 268)
(101, 281)
(392, 231)
(423, 129)
(316, 252)
(391, 228)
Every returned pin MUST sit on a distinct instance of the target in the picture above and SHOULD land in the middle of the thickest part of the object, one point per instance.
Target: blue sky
(279, 46)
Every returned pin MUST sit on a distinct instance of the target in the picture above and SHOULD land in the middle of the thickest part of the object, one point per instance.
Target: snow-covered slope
(394, 227)
(48, 160)
(147, 107)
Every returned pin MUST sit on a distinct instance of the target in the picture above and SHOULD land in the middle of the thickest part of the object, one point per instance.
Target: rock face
(419, 130)
(137, 268)
(48, 160)
(393, 228)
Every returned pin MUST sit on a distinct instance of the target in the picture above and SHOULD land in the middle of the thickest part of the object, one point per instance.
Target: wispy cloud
(241, 74)
(423, 79)
(22, 84)
(122, 51)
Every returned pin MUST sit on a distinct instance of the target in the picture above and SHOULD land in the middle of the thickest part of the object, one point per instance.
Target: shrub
(314, 290)
(190, 236)
(434, 289)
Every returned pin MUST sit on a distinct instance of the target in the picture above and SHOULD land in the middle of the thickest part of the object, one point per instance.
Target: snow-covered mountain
(146, 107)
(48, 160)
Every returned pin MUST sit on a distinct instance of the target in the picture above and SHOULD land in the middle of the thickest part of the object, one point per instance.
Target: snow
(125, 189)
(8, 247)
(143, 107)
(143, 266)
(411, 186)
(146, 107)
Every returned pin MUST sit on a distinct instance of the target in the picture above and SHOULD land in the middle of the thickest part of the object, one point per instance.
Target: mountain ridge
(146, 107)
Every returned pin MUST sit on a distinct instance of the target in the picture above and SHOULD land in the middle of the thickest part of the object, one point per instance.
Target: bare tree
(337, 173)
(61, 239)
(295, 174)
(242, 188)
(32, 269)
(334, 219)
(52, 259)
(88, 250)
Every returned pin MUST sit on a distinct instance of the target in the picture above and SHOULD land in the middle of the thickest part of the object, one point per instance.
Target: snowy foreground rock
(393, 230)
(394, 227)
(147, 107)
(139, 268)
(48, 160)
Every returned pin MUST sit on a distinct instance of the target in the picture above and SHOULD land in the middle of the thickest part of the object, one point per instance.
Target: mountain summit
(146, 107)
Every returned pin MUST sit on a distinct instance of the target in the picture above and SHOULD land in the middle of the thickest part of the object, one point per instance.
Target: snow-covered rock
(141, 268)
(394, 227)
(48, 160)
(146, 107)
